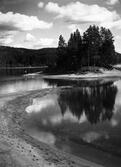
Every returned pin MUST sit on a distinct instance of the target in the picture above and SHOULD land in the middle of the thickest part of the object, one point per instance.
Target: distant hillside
(10, 57)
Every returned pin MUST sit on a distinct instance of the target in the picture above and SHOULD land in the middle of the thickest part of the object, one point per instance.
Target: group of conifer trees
(94, 48)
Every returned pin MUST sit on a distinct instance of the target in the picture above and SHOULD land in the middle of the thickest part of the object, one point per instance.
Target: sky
(37, 24)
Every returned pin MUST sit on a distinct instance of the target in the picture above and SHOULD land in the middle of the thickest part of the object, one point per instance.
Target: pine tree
(74, 49)
(61, 43)
(107, 49)
(61, 54)
(91, 42)
(94, 48)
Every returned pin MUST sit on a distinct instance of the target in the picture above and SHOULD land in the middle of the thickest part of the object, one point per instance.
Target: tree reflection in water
(96, 102)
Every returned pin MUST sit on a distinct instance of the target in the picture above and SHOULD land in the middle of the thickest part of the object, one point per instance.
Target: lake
(83, 118)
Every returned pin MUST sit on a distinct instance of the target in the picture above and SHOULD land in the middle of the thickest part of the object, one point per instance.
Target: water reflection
(96, 102)
(45, 137)
(38, 123)
(17, 71)
(22, 84)
(75, 106)
(79, 105)
(79, 119)
(39, 104)
(80, 83)
(91, 136)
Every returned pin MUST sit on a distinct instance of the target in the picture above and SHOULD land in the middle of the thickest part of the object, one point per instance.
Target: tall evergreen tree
(75, 40)
(74, 49)
(91, 42)
(61, 54)
(61, 43)
(107, 49)
(95, 48)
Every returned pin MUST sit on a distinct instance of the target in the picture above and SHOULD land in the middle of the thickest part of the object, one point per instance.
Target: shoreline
(88, 76)
(19, 149)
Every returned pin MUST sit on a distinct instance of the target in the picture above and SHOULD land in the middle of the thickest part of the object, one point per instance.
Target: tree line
(20, 57)
(94, 48)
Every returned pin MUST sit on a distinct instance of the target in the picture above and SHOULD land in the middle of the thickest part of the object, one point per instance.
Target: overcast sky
(37, 24)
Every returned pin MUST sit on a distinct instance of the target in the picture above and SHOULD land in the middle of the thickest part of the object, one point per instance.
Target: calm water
(20, 80)
(17, 71)
(83, 119)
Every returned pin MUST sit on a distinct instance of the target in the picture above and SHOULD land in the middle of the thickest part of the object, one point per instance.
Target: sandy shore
(103, 74)
(17, 149)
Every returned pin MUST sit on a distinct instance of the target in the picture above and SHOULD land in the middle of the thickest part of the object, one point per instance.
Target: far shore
(22, 67)
(103, 74)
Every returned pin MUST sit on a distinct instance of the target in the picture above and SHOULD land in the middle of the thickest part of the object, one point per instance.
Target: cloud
(31, 42)
(112, 2)
(15, 21)
(6, 38)
(78, 12)
(73, 27)
(11, 2)
(115, 24)
(41, 4)
(29, 38)
(117, 43)
(18, 45)
(44, 42)
(8, 41)
(53, 7)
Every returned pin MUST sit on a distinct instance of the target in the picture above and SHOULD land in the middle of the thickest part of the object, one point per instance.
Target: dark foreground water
(83, 119)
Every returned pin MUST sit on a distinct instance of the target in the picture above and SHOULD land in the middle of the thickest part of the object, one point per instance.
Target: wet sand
(18, 149)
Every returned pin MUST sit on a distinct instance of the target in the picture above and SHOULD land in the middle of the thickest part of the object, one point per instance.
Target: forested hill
(11, 57)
